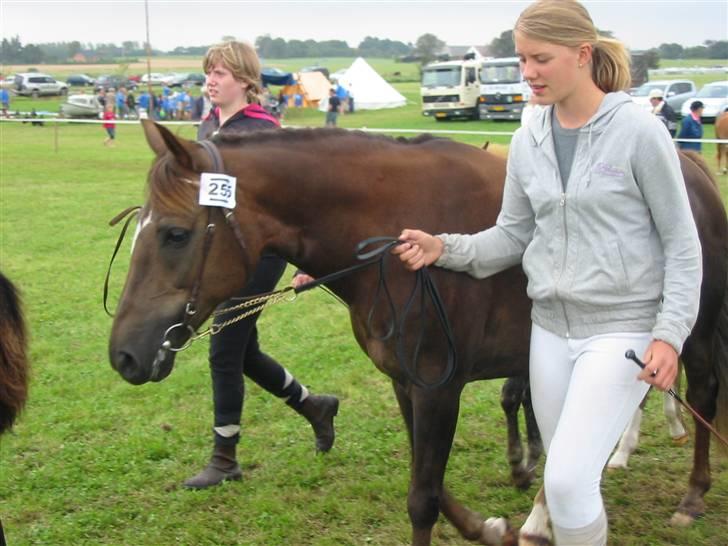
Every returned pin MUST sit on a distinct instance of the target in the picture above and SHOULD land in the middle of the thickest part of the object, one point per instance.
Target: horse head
(169, 290)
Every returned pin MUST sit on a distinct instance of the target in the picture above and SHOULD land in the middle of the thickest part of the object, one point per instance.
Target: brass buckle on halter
(167, 344)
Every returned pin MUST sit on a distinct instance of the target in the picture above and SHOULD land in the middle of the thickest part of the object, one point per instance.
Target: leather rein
(424, 288)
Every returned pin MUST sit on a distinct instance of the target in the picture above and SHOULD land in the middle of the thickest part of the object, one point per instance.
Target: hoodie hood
(540, 124)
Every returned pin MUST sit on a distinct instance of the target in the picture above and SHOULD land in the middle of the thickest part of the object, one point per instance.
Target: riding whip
(630, 354)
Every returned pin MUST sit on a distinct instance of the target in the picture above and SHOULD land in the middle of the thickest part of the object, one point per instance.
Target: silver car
(676, 92)
(35, 84)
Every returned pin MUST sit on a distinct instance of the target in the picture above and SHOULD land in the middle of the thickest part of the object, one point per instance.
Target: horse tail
(696, 158)
(720, 354)
(13, 355)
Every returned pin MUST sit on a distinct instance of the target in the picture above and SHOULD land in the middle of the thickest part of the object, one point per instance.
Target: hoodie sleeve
(499, 247)
(658, 173)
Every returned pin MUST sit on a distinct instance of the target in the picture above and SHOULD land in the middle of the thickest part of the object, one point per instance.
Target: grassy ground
(97, 461)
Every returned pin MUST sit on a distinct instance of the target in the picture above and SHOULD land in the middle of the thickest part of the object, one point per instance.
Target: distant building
(79, 58)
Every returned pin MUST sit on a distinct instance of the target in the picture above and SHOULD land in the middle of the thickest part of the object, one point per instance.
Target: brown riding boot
(222, 466)
(320, 412)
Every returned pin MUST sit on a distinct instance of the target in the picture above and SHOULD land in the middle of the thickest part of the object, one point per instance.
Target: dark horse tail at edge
(13, 355)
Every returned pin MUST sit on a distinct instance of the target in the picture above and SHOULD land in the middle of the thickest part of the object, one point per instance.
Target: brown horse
(13, 355)
(721, 132)
(310, 196)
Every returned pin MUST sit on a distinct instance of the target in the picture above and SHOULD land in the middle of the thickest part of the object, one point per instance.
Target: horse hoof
(681, 519)
(497, 531)
(681, 440)
(527, 539)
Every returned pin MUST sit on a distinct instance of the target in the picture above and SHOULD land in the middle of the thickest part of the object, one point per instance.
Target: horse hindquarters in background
(630, 438)
(721, 132)
(13, 355)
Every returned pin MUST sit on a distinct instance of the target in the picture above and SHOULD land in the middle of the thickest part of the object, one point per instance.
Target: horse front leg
(673, 414)
(431, 418)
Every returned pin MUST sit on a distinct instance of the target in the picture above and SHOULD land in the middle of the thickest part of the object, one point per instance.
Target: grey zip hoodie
(617, 250)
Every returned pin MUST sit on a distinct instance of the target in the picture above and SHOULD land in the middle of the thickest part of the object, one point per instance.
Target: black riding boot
(320, 412)
(222, 466)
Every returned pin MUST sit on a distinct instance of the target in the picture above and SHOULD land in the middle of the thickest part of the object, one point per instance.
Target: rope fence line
(58, 121)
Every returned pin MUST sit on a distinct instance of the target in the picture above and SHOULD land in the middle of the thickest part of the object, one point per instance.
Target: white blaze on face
(143, 222)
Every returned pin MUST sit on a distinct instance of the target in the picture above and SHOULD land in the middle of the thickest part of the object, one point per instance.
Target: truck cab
(451, 89)
(503, 92)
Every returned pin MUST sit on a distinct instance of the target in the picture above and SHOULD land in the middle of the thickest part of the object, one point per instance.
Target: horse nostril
(128, 368)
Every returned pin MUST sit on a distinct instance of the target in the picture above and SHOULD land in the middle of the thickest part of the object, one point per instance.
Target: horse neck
(297, 203)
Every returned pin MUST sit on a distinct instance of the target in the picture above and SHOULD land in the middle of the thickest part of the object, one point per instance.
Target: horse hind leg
(512, 396)
(701, 395)
(536, 531)
(535, 443)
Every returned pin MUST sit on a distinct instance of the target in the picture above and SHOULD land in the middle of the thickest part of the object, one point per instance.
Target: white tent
(369, 89)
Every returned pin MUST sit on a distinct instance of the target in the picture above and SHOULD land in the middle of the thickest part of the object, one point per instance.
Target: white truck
(503, 92)
(451, 89)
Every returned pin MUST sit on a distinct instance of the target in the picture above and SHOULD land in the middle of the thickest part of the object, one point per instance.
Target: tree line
(426, 48)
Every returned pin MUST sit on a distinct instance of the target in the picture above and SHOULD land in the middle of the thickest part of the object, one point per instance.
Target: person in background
(143, 105)
(234, 84)
(121, 108)
(332, 112)
(663, 110)
(110, 127)
(101, 97)
(692, 127)
(131, 105)
(5, 101)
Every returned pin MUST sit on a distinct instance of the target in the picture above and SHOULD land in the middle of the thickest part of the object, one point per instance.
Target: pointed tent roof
(369, 89)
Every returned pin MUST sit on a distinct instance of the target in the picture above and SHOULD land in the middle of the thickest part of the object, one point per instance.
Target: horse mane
(164, 189)
(696, 158)
(13, 355)
(316, 135)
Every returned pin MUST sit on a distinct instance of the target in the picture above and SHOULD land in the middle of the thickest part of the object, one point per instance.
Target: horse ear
(161, 140)
(154, 137)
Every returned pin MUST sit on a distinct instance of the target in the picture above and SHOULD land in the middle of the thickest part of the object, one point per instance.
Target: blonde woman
(595, 209)
(234, 86)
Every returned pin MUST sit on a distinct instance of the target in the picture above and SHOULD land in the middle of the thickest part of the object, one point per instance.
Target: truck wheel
(64, 92)
(34, 94)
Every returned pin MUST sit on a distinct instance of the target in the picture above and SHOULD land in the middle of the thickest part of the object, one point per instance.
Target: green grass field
(94, 460)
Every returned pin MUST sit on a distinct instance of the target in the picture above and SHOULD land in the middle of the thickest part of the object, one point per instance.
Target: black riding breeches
(235, 351)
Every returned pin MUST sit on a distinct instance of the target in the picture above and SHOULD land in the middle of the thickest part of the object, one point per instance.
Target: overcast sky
(641, 24)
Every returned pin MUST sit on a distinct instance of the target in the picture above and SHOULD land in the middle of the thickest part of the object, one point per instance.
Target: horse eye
(176, 237)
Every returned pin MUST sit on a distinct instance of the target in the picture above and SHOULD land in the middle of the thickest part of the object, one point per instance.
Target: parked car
(675, 92)
(115, 81)
(8, 82)
(175, 79)
(155, 78)
(194, 78)
(35, 84)
(714, 97)
(80, 80)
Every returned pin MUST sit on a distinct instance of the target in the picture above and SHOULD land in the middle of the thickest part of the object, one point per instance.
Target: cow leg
(431, 419)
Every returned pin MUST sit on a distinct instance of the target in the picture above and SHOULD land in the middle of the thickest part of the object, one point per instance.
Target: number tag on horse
(217, 190)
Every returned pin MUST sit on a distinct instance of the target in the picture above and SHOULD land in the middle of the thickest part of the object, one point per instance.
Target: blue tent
(274, 76)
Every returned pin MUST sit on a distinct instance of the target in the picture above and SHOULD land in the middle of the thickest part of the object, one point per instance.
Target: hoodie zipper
(562, 204)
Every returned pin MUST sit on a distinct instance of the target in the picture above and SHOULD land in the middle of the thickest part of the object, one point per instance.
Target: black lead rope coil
(424, 286)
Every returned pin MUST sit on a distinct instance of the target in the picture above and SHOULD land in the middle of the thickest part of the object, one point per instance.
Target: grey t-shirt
(564, 145)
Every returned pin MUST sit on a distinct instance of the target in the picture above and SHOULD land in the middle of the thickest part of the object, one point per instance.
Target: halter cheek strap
(219, 167)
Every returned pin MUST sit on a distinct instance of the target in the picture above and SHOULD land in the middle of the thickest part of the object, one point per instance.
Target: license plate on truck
(440, 115)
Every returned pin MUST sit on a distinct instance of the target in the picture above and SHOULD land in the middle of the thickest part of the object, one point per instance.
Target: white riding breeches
(584, 393)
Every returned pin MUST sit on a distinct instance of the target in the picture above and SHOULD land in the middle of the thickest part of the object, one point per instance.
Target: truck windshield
(500, 74)
(446, 76)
